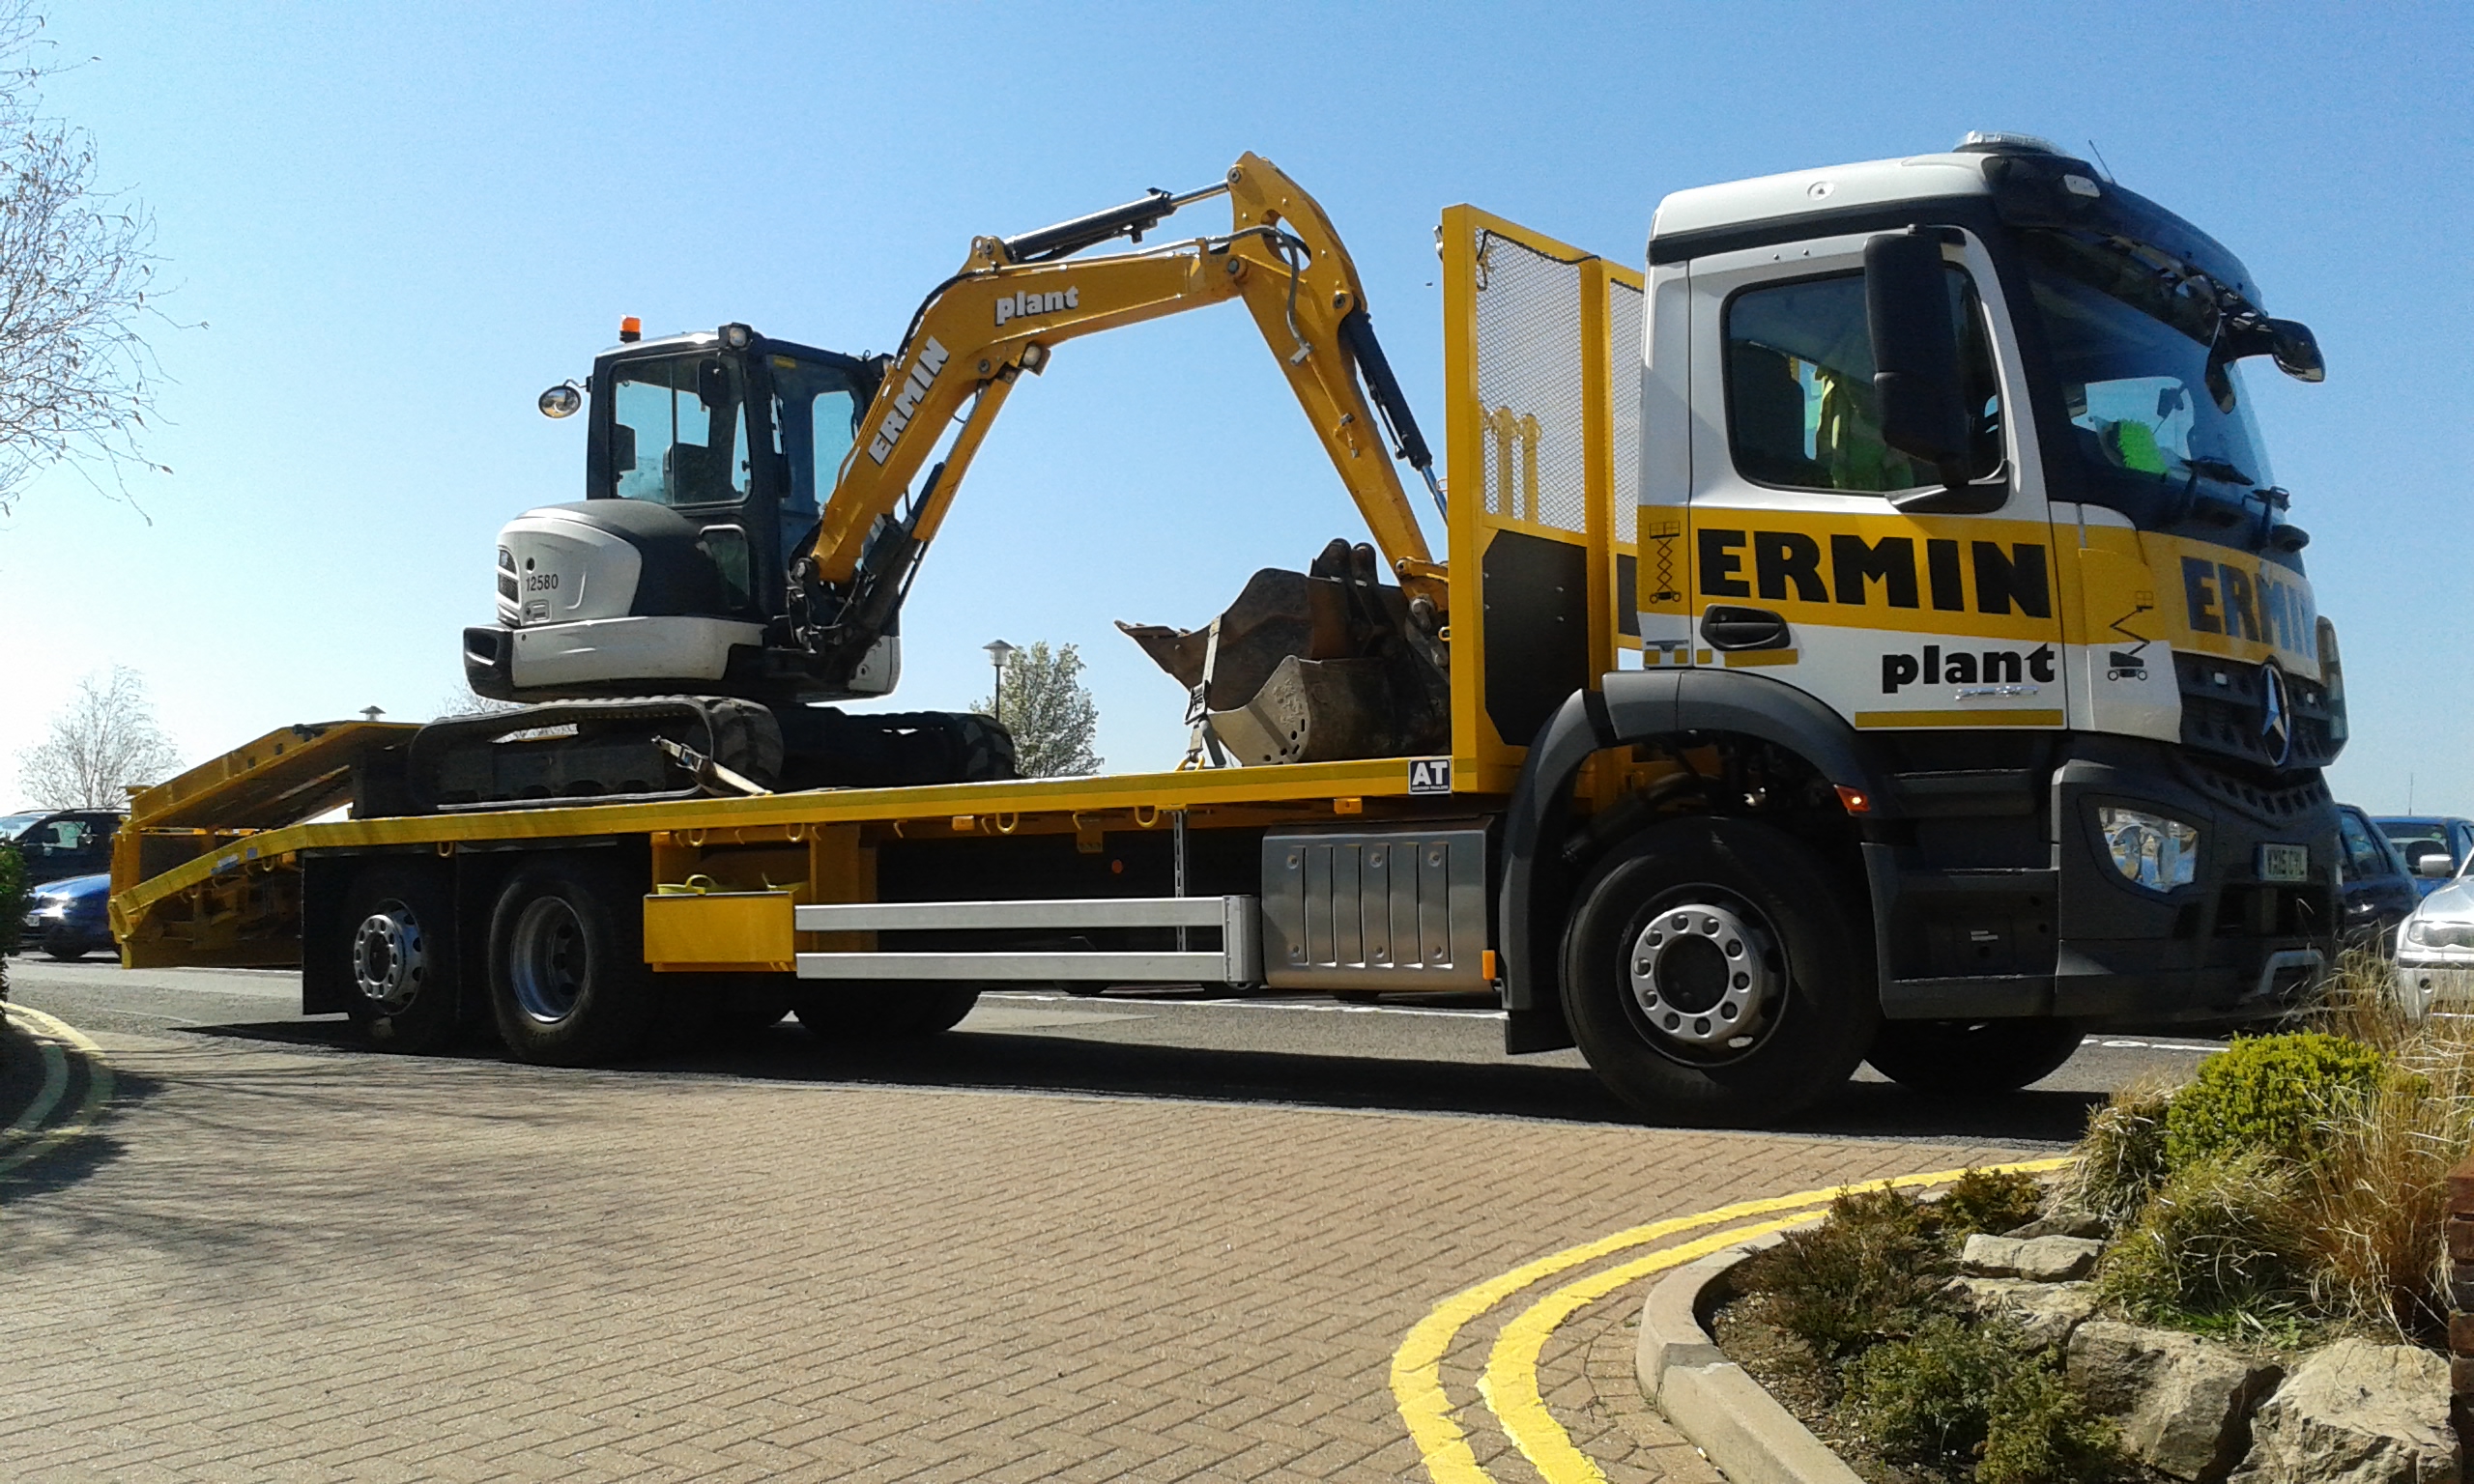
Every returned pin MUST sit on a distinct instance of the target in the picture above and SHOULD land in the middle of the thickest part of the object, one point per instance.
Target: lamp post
(998, 652)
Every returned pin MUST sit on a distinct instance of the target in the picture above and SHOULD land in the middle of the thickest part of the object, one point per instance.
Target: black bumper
(1963, 937)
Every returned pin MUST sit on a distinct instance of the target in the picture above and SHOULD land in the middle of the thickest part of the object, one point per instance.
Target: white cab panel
(599, 649)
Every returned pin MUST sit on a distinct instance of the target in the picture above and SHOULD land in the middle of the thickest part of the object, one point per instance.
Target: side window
(2363, 859)
(678, 438)
(1799, 387)
(814, 417)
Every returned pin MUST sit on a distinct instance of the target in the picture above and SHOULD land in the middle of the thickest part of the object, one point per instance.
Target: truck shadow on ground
(996, 1060)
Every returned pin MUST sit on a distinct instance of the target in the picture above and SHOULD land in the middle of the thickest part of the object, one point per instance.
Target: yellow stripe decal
(1511, 1380)
(1958, 718)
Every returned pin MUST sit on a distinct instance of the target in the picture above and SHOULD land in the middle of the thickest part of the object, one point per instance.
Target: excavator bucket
(1314, 666)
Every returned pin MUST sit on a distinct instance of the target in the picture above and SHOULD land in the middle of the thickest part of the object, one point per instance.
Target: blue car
(69, 918)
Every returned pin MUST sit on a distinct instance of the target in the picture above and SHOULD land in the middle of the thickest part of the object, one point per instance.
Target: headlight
(2154, 852)
(2441, 935)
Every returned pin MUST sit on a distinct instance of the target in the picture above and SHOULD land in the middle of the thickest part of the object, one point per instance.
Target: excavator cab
(706, 458)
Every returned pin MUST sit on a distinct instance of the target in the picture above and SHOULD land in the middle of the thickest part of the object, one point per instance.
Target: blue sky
(397, 227)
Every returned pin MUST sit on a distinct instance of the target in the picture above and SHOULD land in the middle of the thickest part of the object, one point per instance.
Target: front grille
(2222, 713)
(2270, 801)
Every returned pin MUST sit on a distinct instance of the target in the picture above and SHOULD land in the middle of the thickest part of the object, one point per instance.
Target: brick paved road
(280, 1262)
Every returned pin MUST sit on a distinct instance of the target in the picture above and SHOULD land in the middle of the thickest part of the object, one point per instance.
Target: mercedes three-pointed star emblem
(2276, 719)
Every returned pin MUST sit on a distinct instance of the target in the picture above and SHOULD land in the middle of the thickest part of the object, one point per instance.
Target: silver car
(2435, 948)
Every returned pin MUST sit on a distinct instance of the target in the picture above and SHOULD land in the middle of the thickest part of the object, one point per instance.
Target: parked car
(2421, 836)
(59, 844)
(2378, 892)
(69, 918)
(2435, 948)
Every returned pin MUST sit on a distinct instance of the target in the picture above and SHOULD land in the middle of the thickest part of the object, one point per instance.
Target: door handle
(1744, 628)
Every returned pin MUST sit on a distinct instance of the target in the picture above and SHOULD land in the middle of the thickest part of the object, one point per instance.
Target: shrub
(2121, 1156)
(2038, 1430)
(1993, 1201)
(1926, 1399)
(13, 907)
(2271, 1093)
(2221, 1245)
(1868, 1272)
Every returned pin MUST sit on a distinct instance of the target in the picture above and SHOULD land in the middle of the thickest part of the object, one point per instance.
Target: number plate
(2284, 862)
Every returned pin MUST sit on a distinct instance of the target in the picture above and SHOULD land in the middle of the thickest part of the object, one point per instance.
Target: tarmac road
(1437, 1054)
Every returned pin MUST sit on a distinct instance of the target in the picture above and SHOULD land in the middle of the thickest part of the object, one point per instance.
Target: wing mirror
(563, 400)
(1915, 352)
(2435, 866)
(2296, 351)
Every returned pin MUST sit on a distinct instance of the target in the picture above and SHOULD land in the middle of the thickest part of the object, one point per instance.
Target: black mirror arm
(1959, 497)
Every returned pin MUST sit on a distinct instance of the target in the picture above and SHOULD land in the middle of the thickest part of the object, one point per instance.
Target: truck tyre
(722, 1009)
(1712, 974)
(567, 979)
(871, 1011)
(399, 921)
(1971, 1058)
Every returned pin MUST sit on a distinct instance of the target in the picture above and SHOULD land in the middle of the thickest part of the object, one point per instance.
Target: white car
(2435, 948)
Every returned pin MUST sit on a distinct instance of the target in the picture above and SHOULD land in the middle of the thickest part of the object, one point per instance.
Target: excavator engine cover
(1315, 666)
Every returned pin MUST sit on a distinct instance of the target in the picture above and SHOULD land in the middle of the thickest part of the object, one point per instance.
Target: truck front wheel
(1972, 1059)
(1712, 974)
(567, 977)
(401, 924)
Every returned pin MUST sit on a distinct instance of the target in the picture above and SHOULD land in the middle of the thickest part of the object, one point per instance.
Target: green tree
(1043, 702)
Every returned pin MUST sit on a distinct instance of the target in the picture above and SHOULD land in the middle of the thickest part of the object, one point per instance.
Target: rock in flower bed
(2239, 1281)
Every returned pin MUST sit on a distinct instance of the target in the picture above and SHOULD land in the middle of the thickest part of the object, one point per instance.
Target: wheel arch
(1535, 899)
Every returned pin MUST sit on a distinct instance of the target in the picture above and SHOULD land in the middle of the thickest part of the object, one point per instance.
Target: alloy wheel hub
(1701, 974)
(388, 956)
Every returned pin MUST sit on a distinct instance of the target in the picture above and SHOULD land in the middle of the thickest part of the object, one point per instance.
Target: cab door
(1818, 556)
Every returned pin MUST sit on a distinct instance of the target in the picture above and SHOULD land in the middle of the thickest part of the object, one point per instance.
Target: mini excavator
(756, 511)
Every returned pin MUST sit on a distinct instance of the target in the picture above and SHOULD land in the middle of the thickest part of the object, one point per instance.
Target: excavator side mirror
(1915, 349)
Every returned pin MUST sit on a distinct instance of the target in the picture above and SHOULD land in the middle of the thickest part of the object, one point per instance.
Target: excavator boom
(1016, 299)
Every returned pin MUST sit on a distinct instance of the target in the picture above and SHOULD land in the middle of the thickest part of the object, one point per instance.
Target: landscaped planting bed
(2240, 1277)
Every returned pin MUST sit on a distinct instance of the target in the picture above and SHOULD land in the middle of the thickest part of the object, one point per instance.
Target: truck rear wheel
(402, 966)
(862, 1010)
(567, 979)
(1972, 1058)
(1713, 975)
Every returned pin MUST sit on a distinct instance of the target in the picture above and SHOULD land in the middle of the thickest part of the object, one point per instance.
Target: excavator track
(605, 750)
(613, 752)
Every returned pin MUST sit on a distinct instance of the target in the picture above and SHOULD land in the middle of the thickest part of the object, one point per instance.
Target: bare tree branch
(78, 267)
(106, 743)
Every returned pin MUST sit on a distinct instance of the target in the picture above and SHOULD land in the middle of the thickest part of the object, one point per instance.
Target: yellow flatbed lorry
(1867, 630)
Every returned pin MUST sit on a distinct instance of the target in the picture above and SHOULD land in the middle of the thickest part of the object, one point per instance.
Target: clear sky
(399, 224)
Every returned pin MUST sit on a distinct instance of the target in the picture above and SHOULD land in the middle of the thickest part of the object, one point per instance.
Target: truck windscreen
(2157, 412)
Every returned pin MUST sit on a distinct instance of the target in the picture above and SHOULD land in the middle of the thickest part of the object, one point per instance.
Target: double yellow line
(1509, 1384)
(28, 1138)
